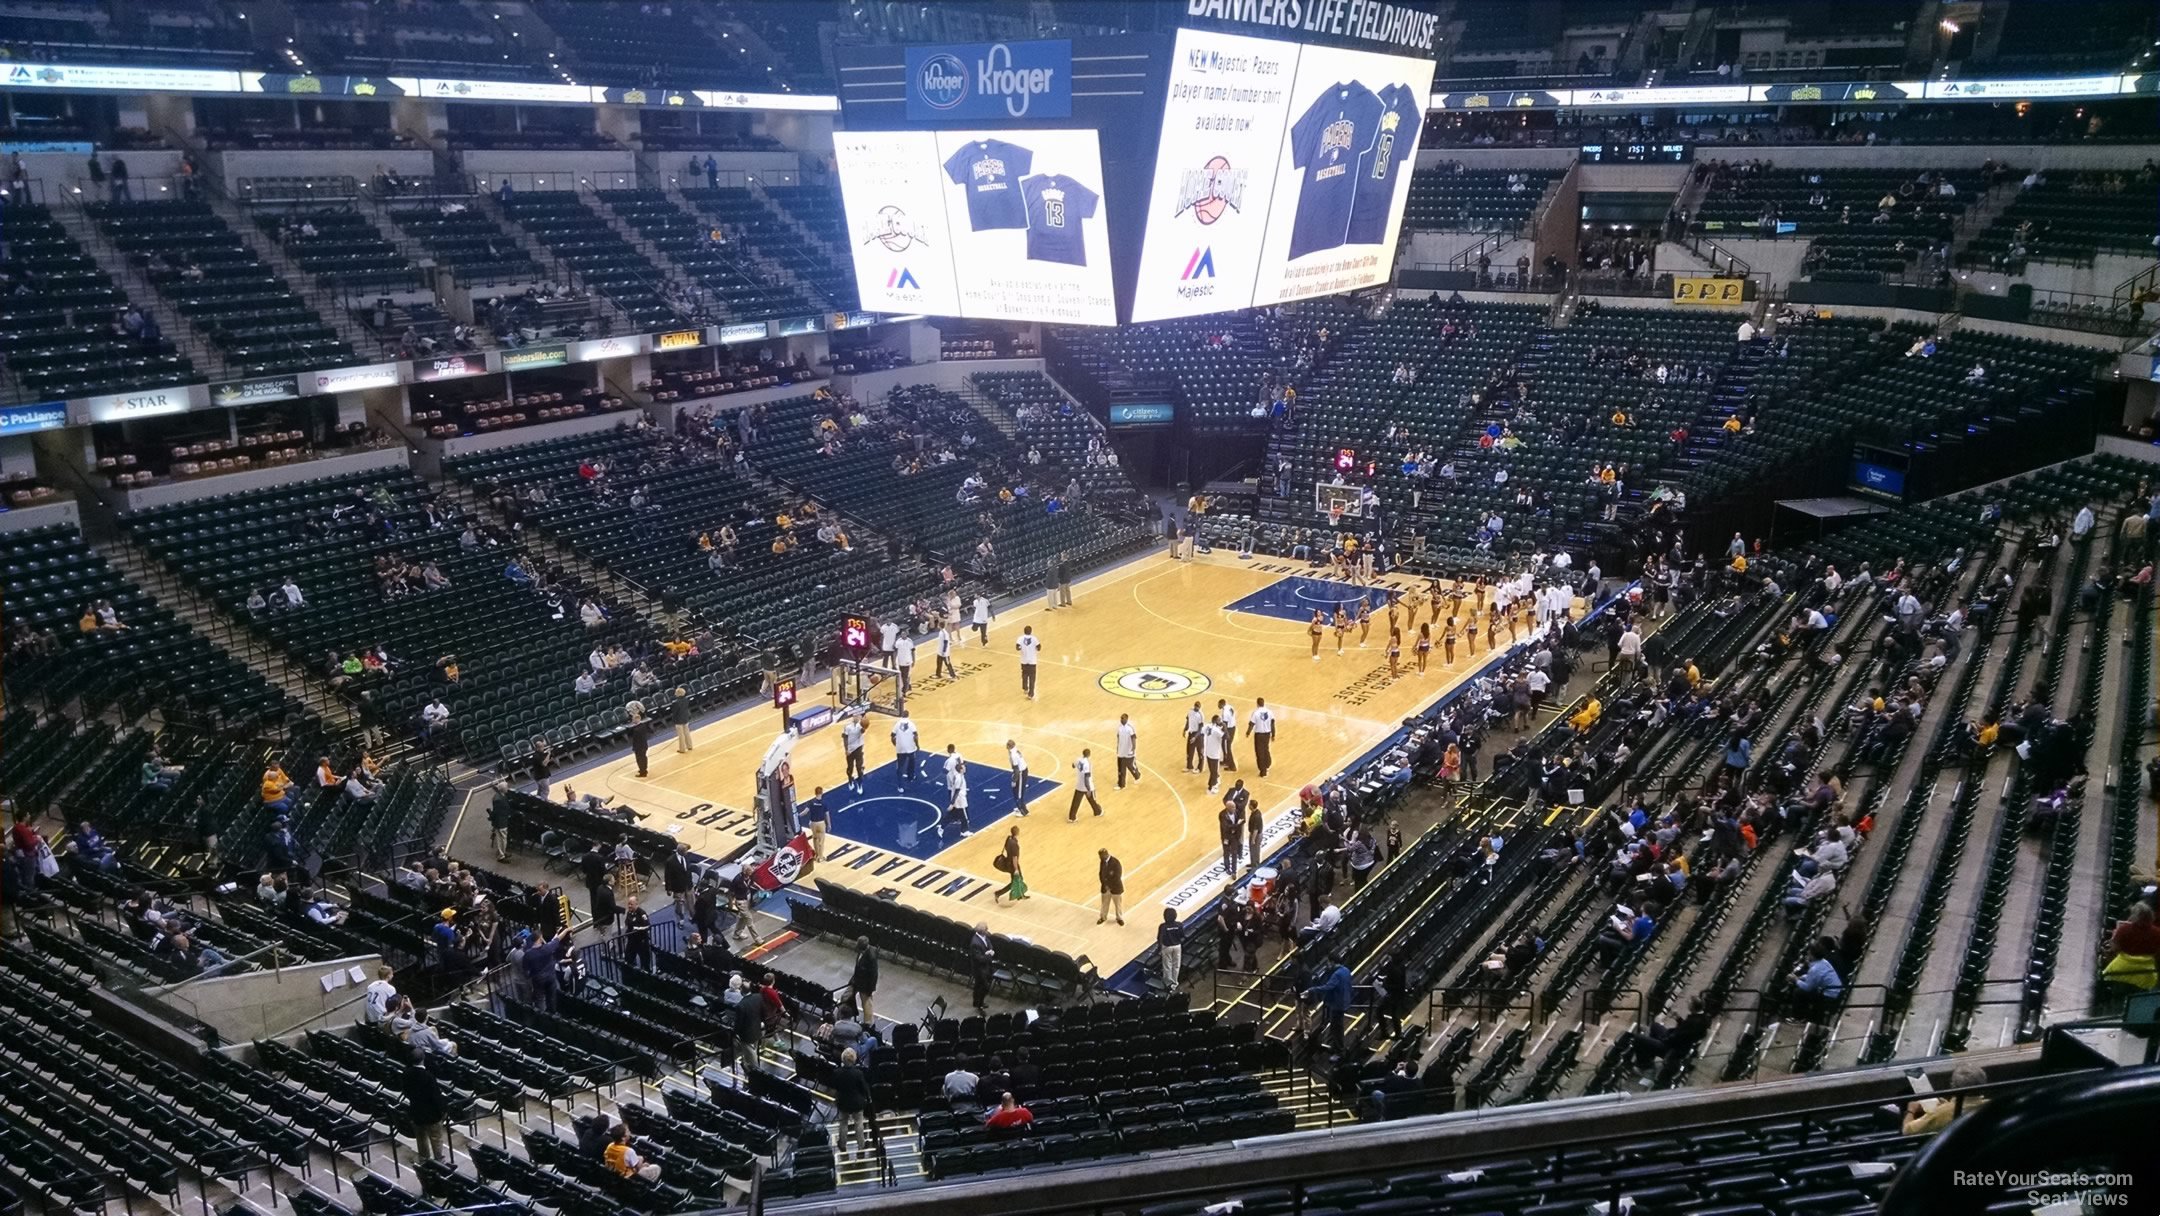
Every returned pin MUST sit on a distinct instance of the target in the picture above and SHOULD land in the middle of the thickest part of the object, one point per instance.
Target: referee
(1261, 728)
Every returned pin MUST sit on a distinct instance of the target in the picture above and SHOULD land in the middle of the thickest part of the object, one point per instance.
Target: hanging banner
(1708, 289)
(788, 863)
(530, 358)
(249, 392)
(29, 419)
(347, 379)
(449, 367)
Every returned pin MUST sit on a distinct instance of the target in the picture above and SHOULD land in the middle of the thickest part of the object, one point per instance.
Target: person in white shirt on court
(944, 665)
(1128, 750)
(1083, 785)
(1226, 714)
(982, 618)
(1018, 760)
(1261, 729)
(851, 740)
(888, 636)
(1194, 720)
(1030, 648)
(904, 659)
(1211, 750)
(956, 794)
(907, 752)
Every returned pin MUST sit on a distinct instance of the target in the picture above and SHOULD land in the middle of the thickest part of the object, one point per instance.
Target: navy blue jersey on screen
(1382, 163)
(1055, 206)
(990, 170)
(1327, 145)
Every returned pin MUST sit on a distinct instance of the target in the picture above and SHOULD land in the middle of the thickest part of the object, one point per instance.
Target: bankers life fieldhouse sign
(1398, 26)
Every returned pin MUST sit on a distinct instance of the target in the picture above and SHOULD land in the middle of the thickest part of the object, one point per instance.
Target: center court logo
(1154, 683)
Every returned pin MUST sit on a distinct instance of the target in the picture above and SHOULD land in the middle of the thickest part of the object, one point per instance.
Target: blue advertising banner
(1871, 478)
(990, 81)
(26, 419)
(1149, 413)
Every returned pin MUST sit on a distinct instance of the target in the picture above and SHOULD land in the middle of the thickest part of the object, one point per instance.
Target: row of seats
(262, 326)
(59, 318)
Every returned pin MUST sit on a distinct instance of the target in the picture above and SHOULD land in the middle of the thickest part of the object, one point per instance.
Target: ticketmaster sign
(990, 81)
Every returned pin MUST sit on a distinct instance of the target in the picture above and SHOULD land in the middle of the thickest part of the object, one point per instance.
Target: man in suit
(1110, 872)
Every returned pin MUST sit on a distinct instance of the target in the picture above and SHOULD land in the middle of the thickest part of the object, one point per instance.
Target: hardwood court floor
(1169, 619)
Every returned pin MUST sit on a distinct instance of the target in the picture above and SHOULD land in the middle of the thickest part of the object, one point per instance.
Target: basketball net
(873, 686)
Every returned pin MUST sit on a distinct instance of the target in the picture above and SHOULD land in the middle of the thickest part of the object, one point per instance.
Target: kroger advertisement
(1282, 172)
(989, 82)
(994, 224)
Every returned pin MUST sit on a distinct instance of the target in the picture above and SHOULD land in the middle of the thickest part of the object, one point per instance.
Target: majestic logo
(942, 81)
(633, 97)
(304, 84)
(1210, 190)
(893, 230)
(1201, 265)
(1807, 92)
(1153, 683)
(1478, 101)
(901, 278)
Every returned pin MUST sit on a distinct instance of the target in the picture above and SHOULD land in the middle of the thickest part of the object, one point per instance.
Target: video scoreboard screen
(998, 224)
(1282, 172)
(1262, 154)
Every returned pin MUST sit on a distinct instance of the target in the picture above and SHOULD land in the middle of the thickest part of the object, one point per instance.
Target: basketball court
(1148, 639)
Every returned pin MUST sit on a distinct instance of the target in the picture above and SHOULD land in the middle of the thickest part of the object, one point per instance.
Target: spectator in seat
(2136, 946)
(1659, 1041)
(434, 717)
(157, 774)
(90, 848)
(1009, 1115)
(380, 998)
(1817, 986)
(960, 1085)
(1809, 884)
(624, 1160)
(1929, 1115)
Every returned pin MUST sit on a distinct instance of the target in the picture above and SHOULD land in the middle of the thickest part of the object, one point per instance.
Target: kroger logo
(942, 81)
(996, 77)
